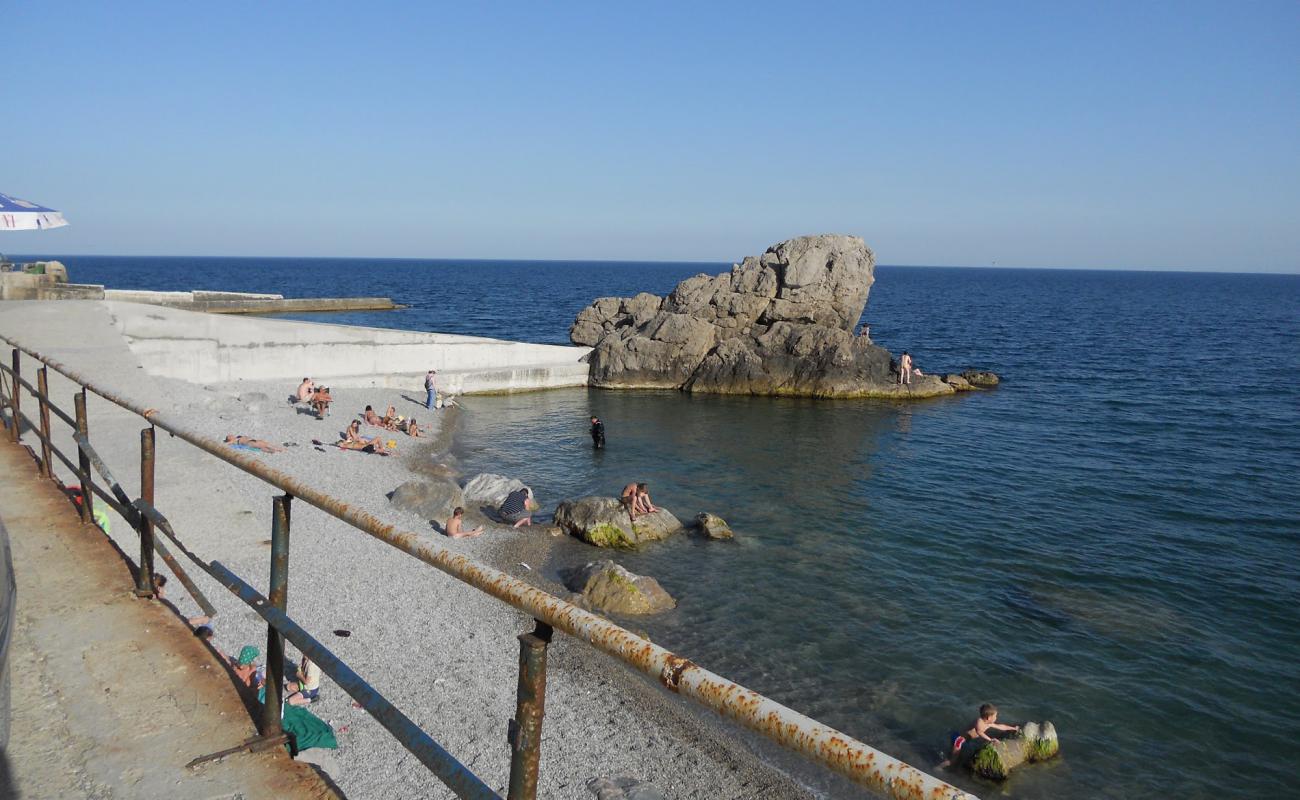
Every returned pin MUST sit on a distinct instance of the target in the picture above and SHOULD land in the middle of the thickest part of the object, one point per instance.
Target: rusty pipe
(820, 743)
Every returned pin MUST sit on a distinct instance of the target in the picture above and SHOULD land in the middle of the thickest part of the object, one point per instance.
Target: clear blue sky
(1133, 134)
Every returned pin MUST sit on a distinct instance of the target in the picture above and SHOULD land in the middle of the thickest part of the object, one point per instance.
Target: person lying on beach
(517, 506)
(307, 688)
(372, 418)
(353, 440)
(978, 730)
(455, 526)
(320, 401)
(249, 443)
(306, 389)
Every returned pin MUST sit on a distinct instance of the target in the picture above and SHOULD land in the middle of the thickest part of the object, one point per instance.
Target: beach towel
(306, 730)
(244, 447)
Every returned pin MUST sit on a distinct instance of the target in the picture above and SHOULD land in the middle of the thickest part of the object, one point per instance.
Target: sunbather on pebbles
(353, 440)
(249, 443)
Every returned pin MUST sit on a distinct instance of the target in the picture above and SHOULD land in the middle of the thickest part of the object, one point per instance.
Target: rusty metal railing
(819, 743)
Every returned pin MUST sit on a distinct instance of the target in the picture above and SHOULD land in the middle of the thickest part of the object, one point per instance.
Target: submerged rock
(433, 500)
(609, 587)
(777, 324)
(981, 378)
(713, 526)
(1034, 743)
(604, 522)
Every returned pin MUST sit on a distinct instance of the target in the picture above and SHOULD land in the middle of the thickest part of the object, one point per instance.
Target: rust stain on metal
(671, 676)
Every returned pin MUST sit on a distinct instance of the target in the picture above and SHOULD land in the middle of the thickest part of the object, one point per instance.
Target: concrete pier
(22, 286)
(208, 348)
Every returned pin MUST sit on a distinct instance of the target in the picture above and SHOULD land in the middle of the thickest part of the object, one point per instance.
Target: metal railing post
(144, 575)
(83, 461)
(526, 727)
(43, 400)
(14, 401)
(279, 597)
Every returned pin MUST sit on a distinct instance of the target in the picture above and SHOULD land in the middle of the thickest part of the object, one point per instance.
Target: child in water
(985, 722)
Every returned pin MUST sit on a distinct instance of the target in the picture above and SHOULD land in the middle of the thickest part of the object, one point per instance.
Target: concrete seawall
(22, 286)
(206, 348)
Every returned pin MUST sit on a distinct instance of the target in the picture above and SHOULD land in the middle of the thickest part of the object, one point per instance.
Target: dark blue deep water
(1111, 540)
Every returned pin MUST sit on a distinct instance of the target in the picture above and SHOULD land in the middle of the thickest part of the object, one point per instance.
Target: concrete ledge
(206, 348)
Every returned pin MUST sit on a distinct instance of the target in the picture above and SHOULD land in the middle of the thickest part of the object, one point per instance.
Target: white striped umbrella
(20, 215)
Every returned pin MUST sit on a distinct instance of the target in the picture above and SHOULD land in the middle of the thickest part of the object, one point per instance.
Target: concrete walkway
(112, 696)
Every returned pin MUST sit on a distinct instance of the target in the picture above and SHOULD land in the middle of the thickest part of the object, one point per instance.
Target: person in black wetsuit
(597, 433)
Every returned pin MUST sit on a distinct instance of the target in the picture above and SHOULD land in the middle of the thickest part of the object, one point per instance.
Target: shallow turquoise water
(1111, 540)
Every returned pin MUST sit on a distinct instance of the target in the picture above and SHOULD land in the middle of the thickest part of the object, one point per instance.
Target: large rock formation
(604, 522)
(781, 323)
(430, 499)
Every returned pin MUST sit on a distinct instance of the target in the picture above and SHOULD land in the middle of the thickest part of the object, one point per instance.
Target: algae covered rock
(609, 587)
(1035, 742)
(604, 522)
(981, 378)
(430, 499)
(713, 526)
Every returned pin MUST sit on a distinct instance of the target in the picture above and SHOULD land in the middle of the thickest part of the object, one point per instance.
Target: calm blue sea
(1111, 540)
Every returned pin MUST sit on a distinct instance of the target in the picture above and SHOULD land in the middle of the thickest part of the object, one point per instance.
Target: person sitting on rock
(305, 390)
(249, 443)
(455, 526)
(643, 503)
(629, 500)
(985, 722)
(372, 418)
(516, 508)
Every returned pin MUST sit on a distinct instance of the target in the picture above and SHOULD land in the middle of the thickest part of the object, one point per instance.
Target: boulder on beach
(777, 324)
(604, 522)
(490, 488)
(712, 526)
(957, 382)
(431, 499)
(609, 587)
(981, 378)
(995, 760)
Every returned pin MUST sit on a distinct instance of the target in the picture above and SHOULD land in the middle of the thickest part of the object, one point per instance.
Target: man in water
(430, 388)
(597, 433)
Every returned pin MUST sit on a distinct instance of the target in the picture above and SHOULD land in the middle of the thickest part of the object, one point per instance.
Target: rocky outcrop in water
(777, 324)
(711, 526)
(609, 587)
(996, 759)
(604, 522)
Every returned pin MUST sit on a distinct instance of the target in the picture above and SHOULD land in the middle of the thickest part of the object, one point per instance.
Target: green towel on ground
(307, 729)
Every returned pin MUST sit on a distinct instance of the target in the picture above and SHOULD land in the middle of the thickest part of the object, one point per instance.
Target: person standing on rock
(597, 433)
(905, 369)
(430, 388)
